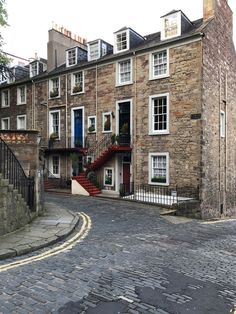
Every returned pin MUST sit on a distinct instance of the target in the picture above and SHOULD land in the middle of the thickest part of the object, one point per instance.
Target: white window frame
(18, 122)
(73, 84)
(51, 87)
(150, 161)
(8, 121)
(19, 102)
(91, 57)
(151, 118)
(32, 74)
(222, 124)
(103, 122)
(95, 124)
(178, 19)
(68, 59)
(118, 74)
(152, 76)
(112, 177)
(127, 41)
(51, 112)
(57, 175)
(4, 105)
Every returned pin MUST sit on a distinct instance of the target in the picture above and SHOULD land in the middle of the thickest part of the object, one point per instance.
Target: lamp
(113, 115)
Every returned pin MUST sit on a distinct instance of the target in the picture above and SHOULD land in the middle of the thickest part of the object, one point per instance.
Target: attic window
(94, 51)
(171, 26)
(71, 57)
(34, 69)
(121, 41)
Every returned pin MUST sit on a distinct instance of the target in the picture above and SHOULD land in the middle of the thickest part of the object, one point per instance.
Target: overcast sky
(30, 20)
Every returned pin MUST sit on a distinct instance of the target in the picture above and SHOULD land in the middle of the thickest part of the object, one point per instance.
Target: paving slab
(56, 224)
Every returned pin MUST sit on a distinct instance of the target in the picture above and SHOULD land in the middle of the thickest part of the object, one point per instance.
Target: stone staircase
(87, 185)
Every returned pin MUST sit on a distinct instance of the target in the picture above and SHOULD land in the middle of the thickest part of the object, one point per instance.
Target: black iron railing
(157, 194)
(96, 151)
(55, 182)
(11, 169)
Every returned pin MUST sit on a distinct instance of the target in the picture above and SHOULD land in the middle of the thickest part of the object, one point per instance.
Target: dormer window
(94, 51)
(171, 25)
(34, 69)
(121, 41)
(71, 57)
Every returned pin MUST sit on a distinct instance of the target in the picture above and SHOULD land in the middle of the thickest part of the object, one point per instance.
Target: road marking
(67, 245)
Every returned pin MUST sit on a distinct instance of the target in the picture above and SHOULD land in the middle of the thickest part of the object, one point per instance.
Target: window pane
(160, 63)
(159, 169)
(159, 114)
(124, 71)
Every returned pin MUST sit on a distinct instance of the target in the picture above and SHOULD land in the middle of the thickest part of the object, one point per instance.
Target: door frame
(72, 124)
(130, 100)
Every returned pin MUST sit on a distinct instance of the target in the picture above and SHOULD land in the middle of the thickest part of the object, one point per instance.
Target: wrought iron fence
(11, 169)
(157, 194)
(56, 183)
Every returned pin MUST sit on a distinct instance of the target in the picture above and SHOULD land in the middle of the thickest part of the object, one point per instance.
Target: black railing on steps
(11, 169)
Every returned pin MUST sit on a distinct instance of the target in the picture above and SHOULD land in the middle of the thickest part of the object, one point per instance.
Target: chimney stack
(209, 7)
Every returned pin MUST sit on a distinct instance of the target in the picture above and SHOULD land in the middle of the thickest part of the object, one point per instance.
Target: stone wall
(24, 145)
(14, 213)
(218, 167)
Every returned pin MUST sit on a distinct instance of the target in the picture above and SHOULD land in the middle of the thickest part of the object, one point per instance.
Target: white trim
(8, 104)
(73, 127)
(127, 31)
(151, 130)
(130, 100)
(163, 37)
(103, 115)
(104, 175)
(151, 66)
(76, 57)
(222, 124)
(17, 122)
(56, 175)
(98, 42)
(118, 83)
(89, 124)
(19, 96)
(150, 168)
(72, 78)
(37, 70)
(51, 87)
(8, 119)
(50, 128)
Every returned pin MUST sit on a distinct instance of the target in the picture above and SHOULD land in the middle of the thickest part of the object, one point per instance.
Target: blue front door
(78, 128)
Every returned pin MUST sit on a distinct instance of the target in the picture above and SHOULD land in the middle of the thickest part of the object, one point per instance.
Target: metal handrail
(100, 147)
(11, 169)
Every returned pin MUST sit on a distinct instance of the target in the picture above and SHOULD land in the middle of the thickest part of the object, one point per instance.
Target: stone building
(165, 100)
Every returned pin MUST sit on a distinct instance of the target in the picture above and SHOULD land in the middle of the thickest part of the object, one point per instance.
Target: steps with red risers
(87, 185)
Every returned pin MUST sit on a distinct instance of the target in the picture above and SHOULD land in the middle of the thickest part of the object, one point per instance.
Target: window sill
(5, 106)
(51, 98)
(73, 94)
(107, 131)
(22, 103)
(159, 133)
(158, 183)
(123, 84)
(159, 77)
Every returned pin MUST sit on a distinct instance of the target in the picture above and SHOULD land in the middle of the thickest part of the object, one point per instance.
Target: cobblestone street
(132, 261)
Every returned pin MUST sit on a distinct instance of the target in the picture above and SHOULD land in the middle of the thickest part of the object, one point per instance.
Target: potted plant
(159, 179)
(77, 88)
(53, 136)
(124, 129)
(54, 93)
(91, 129)
(107, 124)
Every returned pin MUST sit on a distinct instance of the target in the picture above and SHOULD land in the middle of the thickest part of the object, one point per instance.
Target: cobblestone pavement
(132, 261)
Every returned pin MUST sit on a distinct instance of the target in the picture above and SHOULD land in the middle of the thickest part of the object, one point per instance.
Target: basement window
(108, 176)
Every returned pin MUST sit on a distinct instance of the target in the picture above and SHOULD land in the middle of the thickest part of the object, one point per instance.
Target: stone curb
(39, 244)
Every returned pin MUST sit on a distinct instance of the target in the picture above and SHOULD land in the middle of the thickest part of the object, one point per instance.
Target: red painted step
(87, 185)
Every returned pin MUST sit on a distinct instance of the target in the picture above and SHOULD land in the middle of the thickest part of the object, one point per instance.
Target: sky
(30, 20)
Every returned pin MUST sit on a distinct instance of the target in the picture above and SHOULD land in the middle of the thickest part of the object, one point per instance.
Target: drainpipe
(66, 122)
(219, 187)
(96, 100)
(226, 137)
(32, 106)
(134, 140)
